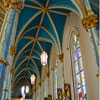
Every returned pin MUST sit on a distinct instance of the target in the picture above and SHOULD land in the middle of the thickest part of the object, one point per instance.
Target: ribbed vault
(40, 25)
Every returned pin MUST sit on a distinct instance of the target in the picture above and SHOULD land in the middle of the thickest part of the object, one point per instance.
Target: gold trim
(82, 7)
(4, 61)
(39, 26)
(67, 48)
(61, 57)
(98, 74)
(45, 10)
(78, 35)
(35, 39)
(12, 81)
(14, 4)
(48, 74)
(12, 70)
(40, 84)
(12, 50)
(90, 11)
(6, 90)
(89, 21)
(29, 57)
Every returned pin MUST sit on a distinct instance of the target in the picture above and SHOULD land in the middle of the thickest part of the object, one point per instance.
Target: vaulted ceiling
(40, 25)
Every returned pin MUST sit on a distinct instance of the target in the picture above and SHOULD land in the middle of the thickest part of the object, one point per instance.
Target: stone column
(60, 77)
(7, 31)
(60, 70)
(90, 22)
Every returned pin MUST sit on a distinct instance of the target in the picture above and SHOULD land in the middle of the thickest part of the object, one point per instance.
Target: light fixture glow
(21, 98)
(44, 58)
(32, 79)
(24, 96)
(27, 89)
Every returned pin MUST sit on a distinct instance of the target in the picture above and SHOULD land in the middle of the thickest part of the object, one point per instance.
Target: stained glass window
(78, 70)
(55, 83)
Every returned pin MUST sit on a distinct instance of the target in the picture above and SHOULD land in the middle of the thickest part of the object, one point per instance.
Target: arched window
(78, 72)
(55, 83)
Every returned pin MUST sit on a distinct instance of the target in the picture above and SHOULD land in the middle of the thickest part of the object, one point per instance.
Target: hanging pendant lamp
(32, 79)
(27, 89)
(44, 58)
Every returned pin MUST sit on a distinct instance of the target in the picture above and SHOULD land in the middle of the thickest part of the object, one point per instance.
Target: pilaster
(13, 8)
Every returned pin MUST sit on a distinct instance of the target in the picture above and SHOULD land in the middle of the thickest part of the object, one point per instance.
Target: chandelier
(44, 58)
(32, 79)
(27, 89)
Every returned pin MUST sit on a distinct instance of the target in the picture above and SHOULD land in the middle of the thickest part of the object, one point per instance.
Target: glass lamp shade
(27, 89)
(44, 58)
(24, 96)
(32, 79)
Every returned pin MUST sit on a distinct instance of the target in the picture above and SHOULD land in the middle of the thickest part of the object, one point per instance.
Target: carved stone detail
(48, 74)
(61, 57)
(4, 61)
(45, 10)
(89, 21)
(98, 74)
(12, 70)
(15, 4)
(40, 84)
(12, 50)
(6, 90)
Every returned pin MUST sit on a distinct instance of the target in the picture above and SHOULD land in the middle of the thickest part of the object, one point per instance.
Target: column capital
(89, 21)
(61, 57)
(48, 74)
(40, 84)
(12, 50)
(4, 61)
(98, 74)
(12, 70)
(5, 89)
(14, 4)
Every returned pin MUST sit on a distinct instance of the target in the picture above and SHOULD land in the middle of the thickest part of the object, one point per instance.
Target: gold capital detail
(12, 81)
(90, 21)
(12, 50)
(12, 70)
(61, 57)
(40, 84)
(48, 74)
(34, 90)
(6, 90)
(14, 4)
(4, 61)
(98, 74)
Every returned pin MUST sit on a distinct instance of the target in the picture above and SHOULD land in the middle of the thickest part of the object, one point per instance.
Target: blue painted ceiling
(35, 23)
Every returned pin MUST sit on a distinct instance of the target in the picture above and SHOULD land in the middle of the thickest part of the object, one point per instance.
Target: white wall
(89, 63)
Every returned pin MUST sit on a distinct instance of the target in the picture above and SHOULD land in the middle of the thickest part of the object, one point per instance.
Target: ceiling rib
(37, 34)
